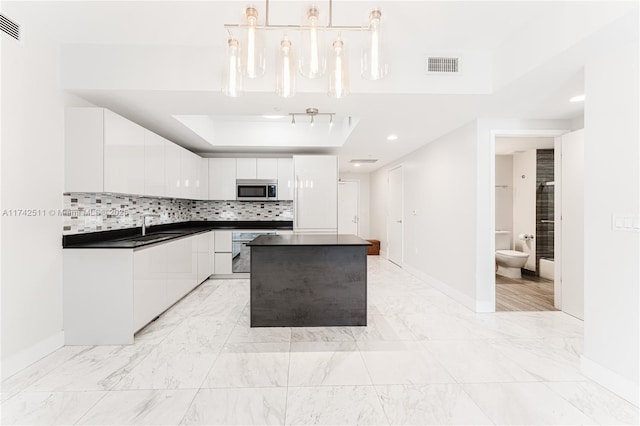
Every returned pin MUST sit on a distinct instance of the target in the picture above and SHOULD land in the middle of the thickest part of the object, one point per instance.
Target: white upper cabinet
(246, 168)
(84, 150)
(316, 193)
(202, 184)
(222, 178)
(154, 164)
(267, 168)
(123, 155)
(285, 178)
(189, 173)
(172, 170)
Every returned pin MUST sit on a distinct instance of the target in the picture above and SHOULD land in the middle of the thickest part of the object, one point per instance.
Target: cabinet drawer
(223, 263)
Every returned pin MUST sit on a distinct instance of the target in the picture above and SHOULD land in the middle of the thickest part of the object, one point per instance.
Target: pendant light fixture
(373, 65)
(312, 48)
(286, 72)
(338, 71)
(233, 81)
(252, 47)
(313, 56)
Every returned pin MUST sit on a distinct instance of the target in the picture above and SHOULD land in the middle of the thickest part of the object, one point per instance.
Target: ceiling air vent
(443, 65)
(364, 161)
(9, 27)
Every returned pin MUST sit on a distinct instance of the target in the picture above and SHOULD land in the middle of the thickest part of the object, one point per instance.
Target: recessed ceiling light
(579, 98)
(392, 137)
(273, 117)
(356, 164)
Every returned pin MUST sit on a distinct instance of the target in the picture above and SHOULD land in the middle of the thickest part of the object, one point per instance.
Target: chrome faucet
(144, 222)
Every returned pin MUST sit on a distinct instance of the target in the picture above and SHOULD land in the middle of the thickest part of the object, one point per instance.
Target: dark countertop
(309, 240)
(131, 238)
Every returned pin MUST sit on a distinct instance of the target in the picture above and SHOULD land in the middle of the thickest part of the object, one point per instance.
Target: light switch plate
(628, 223)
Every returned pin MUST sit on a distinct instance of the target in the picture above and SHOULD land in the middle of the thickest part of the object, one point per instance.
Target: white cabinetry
(128, 288)
(316, 194)
(154, 164)
(223, 259)
(267, 168)
(285, 178)
(202, 184)
(123, 155)
(222, 178)
(172, 170)
(246, 168)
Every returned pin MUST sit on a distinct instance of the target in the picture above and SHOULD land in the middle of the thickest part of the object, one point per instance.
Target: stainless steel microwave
(256, 190)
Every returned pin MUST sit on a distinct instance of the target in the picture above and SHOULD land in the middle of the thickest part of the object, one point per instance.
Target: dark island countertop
(308, 240)
(131, 238)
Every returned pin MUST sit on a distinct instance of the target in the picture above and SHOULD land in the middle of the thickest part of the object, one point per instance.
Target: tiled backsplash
(91, 212)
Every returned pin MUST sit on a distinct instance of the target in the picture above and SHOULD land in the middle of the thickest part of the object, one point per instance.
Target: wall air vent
(9, 27)
(443, 65)
(364, 161)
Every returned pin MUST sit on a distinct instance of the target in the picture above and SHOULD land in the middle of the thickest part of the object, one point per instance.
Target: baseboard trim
(28, 356)
(455, 294)
(611, 380)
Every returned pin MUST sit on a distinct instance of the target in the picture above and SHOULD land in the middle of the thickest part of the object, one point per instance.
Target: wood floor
(530, 293)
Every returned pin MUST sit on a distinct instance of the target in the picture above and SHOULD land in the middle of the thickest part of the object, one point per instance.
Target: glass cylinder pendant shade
(374, 66)
(338, 71)
(286, 72)
(312, 63)
(253, 50)
(233, 71)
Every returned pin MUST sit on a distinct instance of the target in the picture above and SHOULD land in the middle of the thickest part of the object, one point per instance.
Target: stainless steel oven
(240, 252)
(256, 190)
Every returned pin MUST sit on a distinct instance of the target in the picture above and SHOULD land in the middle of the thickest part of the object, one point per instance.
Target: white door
(395, 216)
(572, 231)
(348, 214)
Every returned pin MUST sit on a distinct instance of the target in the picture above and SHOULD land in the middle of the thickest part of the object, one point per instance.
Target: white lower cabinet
(223, 259)
(112, 293)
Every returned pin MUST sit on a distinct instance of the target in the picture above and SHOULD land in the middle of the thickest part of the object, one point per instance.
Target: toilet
(508, 261)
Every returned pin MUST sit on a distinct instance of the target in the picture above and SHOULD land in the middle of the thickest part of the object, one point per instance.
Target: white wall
(504, 193)
(524, 204)
(611, 275)
(363, 203)
(32, 178)
(440, 211)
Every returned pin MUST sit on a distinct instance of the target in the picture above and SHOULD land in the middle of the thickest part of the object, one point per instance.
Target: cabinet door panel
(84, 150)
(285, 179)
(223, 241)
(154, 164)
(123, 155)
(172, 170)
(316, 197)
(222, 178)
(267, 168)
(246, 168)
(149, 284)
(181, 267)
(223, 263)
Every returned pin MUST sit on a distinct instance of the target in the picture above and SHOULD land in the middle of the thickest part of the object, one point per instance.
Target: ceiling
(156, 61)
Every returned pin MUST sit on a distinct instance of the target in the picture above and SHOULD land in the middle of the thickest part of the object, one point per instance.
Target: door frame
(401, 167)
(495, 133)
(357, 182)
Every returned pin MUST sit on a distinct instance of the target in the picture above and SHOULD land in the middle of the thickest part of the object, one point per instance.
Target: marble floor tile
(334, 405)
(159, 329)
(250, 365)
(525, 404)
(48, 408)
(476, 361)
(243, 333)
(437, 404)
(170, 367)
(141, 407)
(204, 333)
(548, 359)
(382, 327)
(326, 363)
(598, 403)
(444, 326)
(402, 362)
(99, 368)
(39, 369)
(240, 406)
(322, 334)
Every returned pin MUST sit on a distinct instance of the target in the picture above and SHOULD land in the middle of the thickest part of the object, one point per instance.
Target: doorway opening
(349, 207)
(524, 223)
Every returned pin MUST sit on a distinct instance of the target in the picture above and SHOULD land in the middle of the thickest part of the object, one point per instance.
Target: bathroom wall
(504, 193)
(524, 204)
(544, 205)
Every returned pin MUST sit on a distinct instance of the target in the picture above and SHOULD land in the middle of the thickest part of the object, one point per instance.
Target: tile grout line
(92, 407)
(375, 390)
